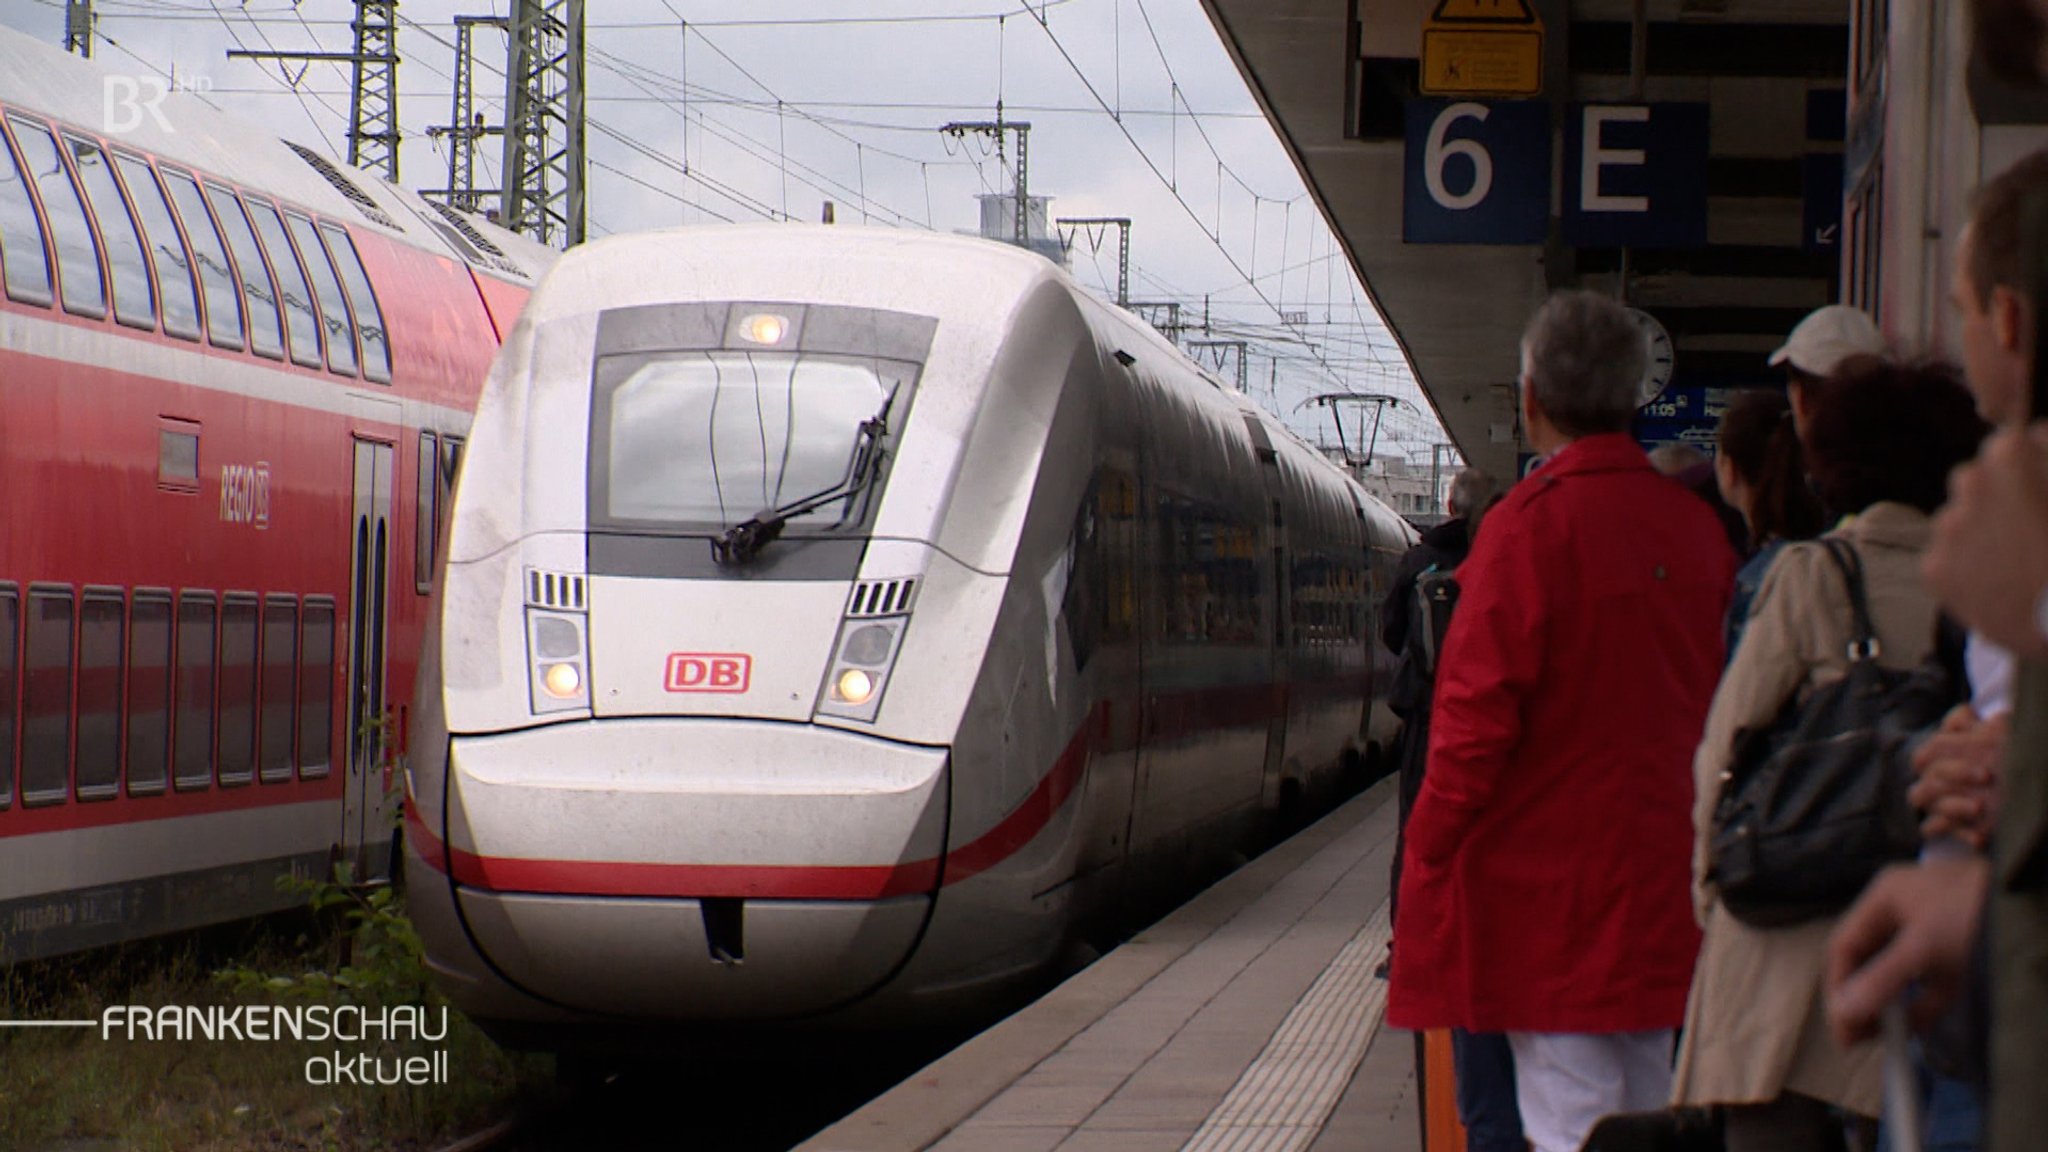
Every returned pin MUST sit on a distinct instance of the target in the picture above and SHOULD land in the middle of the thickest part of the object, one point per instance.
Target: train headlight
(862, 659)
(853, 687)
(556, 658)
(563, 681)
(764, 328)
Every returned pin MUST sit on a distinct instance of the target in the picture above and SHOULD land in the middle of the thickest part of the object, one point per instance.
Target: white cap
(1827, 337)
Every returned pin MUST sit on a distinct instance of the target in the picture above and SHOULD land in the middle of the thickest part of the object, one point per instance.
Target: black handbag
(1814, 805)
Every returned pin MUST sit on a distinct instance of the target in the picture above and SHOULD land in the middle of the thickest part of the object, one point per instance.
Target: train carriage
(235, 381)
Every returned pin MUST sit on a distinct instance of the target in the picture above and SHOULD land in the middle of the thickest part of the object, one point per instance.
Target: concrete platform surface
(1247, 1021)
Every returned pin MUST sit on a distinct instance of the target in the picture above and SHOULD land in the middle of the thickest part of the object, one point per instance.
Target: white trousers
(1565, 1082)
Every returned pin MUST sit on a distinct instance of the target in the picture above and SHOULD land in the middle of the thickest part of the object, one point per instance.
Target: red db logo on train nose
(709, 671)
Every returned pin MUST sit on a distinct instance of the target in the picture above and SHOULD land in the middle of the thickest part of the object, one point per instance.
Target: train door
(1270, 790)
(370, 540)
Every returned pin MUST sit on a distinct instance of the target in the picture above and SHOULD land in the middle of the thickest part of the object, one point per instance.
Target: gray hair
(1584, 356)
(1470, 490)
(1673, 459)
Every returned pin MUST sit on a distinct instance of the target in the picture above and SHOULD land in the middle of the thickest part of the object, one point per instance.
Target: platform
(1247, 1020)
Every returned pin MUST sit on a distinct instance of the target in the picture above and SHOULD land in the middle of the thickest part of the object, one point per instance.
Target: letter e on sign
(1635, 176)
(726, 672)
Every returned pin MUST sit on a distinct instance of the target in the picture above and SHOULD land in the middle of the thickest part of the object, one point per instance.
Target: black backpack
(1814, 805)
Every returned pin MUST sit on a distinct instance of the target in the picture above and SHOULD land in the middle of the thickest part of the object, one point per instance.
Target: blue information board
(1476, 173)
(1635, 176)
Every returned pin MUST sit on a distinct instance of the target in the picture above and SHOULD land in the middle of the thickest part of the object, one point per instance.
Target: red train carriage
(235, 380)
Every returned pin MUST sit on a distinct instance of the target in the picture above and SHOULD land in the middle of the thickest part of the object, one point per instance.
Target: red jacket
(1547, 884)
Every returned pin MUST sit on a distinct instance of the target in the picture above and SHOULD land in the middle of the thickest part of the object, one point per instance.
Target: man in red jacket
(1546, 891)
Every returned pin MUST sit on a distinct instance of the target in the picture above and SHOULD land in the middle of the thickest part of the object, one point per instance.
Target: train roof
(183, 128)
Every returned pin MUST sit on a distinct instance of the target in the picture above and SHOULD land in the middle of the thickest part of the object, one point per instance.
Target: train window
(266, 327)
(1209, 573)
(177, 455)
(341, 334)
(316, 689)
(10, 634)
(192, 759)
(705, 438)
(134, 298)
(216, 275)
(427, 520)
(295, 291)
(149, 691)
(46, 698)
(173, 266)
(279, 688)
(22, 255)
(78, 254)
(237, 755)
(100, 627)
(376, 345)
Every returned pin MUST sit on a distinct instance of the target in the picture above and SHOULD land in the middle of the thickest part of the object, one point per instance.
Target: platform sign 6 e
(1482, 48)
(1476, 173)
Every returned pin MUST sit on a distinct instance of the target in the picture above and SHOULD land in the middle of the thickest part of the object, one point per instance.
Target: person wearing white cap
(1818, 346)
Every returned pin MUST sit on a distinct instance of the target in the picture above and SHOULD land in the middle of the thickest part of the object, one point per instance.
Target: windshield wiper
(743, 541)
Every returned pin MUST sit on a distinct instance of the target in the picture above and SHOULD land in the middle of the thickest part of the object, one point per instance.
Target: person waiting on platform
(1543, 893)
(1880, 441)
(1817, 346)
(1761, 472)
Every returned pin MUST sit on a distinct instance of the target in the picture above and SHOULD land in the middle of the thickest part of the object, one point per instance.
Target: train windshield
(700, 439)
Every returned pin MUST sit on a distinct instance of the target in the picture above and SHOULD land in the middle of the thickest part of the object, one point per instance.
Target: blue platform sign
(1476, 173)
(1635, 176)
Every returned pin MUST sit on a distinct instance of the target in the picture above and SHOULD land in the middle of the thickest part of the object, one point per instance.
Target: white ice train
(839, 623)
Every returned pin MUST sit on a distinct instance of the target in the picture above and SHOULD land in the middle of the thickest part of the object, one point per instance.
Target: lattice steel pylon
(465, 128)
(544, 160)
(1123, 249)
(373, 113)
(78, 22)
(996, 130)
(373, 103)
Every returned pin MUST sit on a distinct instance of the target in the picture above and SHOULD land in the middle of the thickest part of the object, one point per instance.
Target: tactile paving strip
(1280, 1103)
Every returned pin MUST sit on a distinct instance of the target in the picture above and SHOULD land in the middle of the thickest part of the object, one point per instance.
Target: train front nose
(694, 868)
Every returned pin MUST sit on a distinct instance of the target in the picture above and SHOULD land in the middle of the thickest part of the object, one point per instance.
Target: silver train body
(1073, 626)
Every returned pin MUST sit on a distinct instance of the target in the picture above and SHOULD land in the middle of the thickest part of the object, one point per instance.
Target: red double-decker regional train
(235, 379)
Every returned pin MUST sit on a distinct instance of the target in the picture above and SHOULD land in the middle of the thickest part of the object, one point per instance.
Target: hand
(1914, 923)
(1989, 558)
(1958, 769)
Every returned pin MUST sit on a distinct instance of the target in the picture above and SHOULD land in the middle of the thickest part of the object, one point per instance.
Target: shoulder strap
(1863, 639)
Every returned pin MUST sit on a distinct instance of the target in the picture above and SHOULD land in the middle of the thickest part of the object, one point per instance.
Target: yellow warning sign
(1484, 12)
(1482, 48)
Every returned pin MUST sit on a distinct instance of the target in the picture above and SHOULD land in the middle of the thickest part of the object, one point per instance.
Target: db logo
(709, 671)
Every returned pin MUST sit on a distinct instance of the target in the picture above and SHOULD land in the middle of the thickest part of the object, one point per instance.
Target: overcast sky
(766, 108)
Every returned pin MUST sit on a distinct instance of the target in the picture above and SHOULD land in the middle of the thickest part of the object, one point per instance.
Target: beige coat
(1755, 1024)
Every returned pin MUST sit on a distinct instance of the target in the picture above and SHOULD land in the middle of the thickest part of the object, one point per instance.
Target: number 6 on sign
(1437, 153)
(1476, 172)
